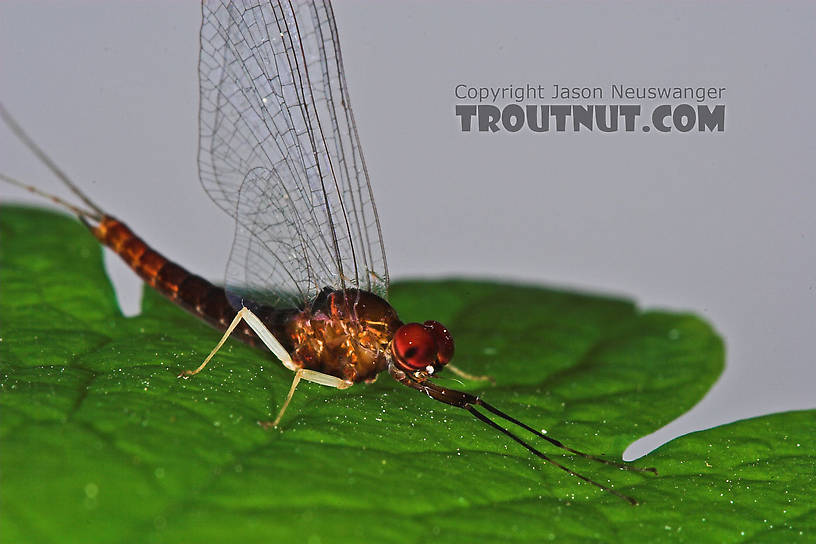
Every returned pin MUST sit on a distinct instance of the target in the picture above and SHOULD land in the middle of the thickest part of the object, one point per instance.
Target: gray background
(721, 225)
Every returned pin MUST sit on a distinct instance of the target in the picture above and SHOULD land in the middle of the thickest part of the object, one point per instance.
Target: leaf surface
(102, 443)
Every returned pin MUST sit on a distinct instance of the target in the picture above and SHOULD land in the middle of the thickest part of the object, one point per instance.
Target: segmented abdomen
(191, 292)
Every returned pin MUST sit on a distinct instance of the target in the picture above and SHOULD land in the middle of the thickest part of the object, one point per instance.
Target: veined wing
(279, 152)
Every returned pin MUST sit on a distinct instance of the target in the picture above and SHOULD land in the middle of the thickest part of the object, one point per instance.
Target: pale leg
(280, 352)
(466, 375)
(295, 382)
(253, 322)
(309, 376)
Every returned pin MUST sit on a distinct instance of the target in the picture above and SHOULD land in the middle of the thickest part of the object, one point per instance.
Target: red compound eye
(444, 341)
(415, 346)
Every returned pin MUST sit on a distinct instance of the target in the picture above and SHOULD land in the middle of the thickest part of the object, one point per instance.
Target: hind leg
(263, 333)
(280, 352)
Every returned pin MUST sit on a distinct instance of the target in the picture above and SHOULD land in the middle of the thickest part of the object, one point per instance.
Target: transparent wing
(279, 152)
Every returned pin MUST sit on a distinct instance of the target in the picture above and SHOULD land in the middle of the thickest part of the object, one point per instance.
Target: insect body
(307, 276)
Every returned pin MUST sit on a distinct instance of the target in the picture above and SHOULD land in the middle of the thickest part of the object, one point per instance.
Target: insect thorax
(347, 336)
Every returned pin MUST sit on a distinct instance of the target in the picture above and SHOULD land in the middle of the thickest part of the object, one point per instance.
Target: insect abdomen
(191, 292)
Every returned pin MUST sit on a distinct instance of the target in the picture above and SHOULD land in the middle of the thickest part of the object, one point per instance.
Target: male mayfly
(307, 275)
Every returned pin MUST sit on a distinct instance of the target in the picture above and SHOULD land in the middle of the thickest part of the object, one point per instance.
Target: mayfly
(307, 276)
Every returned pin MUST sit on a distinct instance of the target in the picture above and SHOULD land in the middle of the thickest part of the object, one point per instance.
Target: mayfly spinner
(307, 276)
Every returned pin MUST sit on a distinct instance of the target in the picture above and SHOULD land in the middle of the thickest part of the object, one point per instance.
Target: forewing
(279, 152)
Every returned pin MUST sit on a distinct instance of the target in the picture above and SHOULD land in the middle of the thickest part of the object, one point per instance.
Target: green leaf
(102, 443)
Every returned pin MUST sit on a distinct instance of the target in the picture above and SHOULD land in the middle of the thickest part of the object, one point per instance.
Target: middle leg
(309, 376)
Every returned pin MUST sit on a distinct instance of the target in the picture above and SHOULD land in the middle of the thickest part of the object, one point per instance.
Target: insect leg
(537, 453)
(272, 343)
(309, 376)
(469, 402)
(467, 375)
(280, 352)
(295, 382)
(263, 333)
(558, 443)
